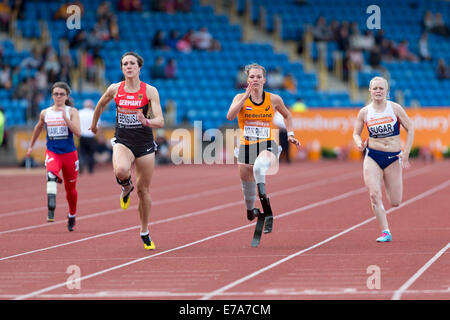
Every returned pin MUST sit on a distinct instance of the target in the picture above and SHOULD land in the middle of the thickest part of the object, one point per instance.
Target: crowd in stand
(192, 40)
(355, 45)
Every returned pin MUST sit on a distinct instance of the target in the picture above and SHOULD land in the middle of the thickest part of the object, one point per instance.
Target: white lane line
(191, 214)
(277, 263)
(398, 293)
(117, 294)
(47, 289)
(157, 202)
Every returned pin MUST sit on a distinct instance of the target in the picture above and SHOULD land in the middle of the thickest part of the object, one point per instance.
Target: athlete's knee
(375, 197)
(262, 164)
(121, 173)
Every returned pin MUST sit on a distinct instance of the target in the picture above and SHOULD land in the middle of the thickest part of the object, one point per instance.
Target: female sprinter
(384, 159)
(257, 151)
(133, 140)
(62, 122)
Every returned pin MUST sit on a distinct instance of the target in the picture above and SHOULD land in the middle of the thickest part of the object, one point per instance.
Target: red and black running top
(128, 128)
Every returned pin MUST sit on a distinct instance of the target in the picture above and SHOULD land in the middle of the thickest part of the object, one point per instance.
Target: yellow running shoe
(148, 243)
(125, 198)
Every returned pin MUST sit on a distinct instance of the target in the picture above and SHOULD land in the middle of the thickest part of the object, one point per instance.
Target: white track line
(275, 264)
(208, 296)
(192, 214)
(191, 196)
(398, 293)
(174, 199)
(121, 294)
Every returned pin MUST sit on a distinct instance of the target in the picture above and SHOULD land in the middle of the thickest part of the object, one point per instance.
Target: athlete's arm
(101, 104)
(36, 132)
(357, 129)
(279, 106)
(409, 127)
(158, 119)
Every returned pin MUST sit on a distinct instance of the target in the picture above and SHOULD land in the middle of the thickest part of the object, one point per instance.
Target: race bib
(128, 119)
(257, 132)
(57, 131)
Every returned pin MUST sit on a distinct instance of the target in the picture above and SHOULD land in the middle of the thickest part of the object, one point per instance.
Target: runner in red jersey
(62, 122)
(133, 140)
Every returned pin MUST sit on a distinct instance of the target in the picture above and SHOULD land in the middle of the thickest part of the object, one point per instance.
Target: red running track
(322, 247)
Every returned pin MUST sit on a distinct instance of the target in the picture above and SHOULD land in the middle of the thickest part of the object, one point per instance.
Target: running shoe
(148, 243)
(125, 197)
(70, 223)
(252, 214)
(385, 237)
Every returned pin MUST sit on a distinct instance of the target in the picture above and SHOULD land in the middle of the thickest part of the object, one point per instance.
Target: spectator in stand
(388, 50)
(183, 5)
(356, 57)
(186, 43)
(102, 29)
(290, 83)
(129, 5)
(442, 70)
(379, 37)
(61, 13)
(79, 40)
(157, 70)
(404, 53)
(439, 26)
(428, 21)
(5, 77)
(114, 28)
(275, 79)
(171, 69)
(424, 51)
(42, 80)
(375, 59)
(241, 78)
(159, 42)
(322, 32)
(5, 16)
(104, 11)
(202, 39)
(343, 40)
(171, 42)
(33, 61)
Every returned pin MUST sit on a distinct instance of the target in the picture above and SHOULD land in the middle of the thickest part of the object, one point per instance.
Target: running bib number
(128, 119)
(257, 132)
(58, 131)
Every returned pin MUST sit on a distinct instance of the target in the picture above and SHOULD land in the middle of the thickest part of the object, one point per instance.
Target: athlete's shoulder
(395, 105)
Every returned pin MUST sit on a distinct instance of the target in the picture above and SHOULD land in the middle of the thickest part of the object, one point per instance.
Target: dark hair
(140, 60)
(65, 86)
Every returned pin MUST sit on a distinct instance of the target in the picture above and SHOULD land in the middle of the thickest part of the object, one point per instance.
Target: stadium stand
(204, 81)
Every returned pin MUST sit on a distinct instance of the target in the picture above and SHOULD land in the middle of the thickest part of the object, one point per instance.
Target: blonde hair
(378, 78)
(255, 66)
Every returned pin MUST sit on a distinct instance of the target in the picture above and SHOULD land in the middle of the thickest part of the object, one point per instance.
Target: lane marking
(233, 284)
(398, 293)
(277, 263)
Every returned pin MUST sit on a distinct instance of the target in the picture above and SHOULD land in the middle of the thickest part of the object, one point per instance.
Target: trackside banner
(334, 127)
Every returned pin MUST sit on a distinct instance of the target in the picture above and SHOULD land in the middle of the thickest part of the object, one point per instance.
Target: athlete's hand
(142, 119)
(295, 141)
(94, 129)
(250, 87)
(29, 150)
(363, 145)
(404, 160)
